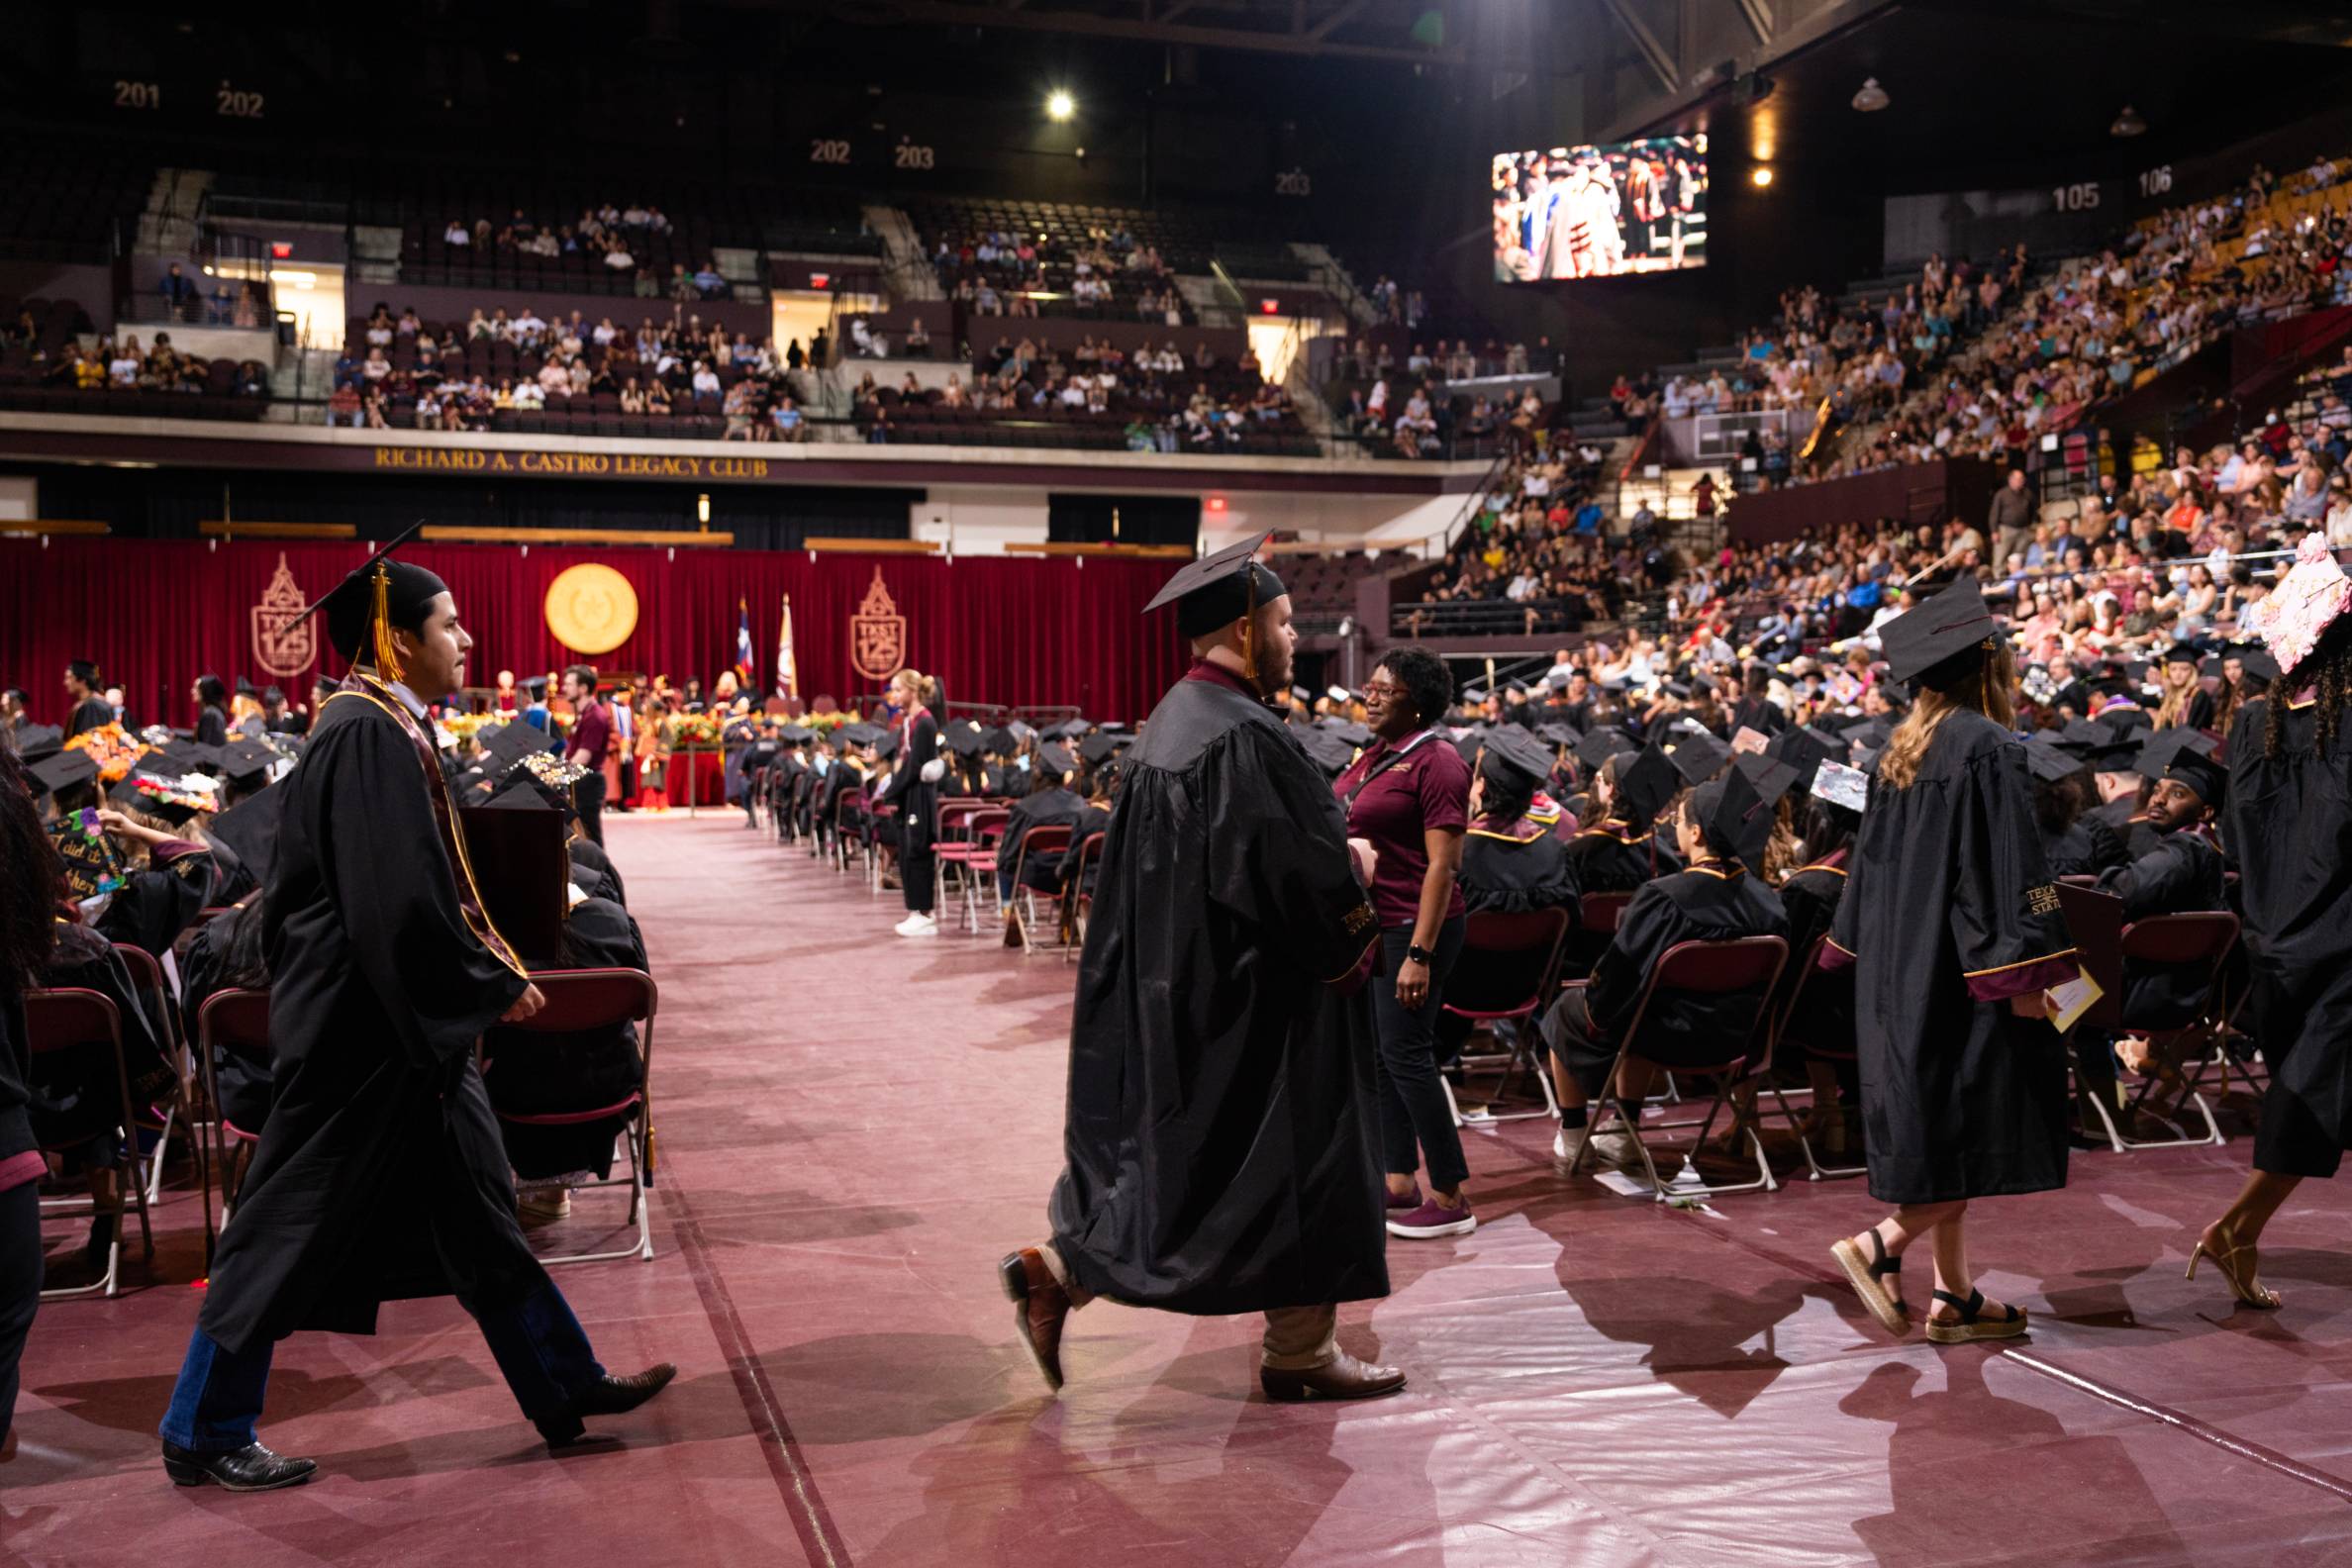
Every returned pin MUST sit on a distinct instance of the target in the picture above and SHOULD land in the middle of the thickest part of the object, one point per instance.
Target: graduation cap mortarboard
(1805, 748)
(34, 741)
(1470, 741)
(2051, 764)
(1102, 744)
(2156, 753)
(2201, 773)
(1558, 734)
(1952, 628)
(522, 790)
(796, 734)
(999, 740)
(249, 830)
(2182, 653)
(1645, 786)
(1734, 817)
(1348, 730)
(1217, 590)
(965, 738)
(1019, 730)
(245, 764)
(514, 742)
(1068, 729)
(1055, 758)
(1473, 695)
(385, 594)
(61, 770)
(2258, 666)
(1302, 694)
(858, 735)
(189, 755)
(1700, 757)
(1519, 752)
(1772, 777)
(1598, 746)
(886, 743)
(167, 800)
(1841, 786)
(1326, 750)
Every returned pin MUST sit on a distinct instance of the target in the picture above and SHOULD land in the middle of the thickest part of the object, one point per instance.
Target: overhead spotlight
(2127, 124)
(1872, 98)
(1060, 105)
(1760, 176)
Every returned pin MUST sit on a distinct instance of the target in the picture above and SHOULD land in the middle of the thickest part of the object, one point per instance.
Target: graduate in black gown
(2290, 756)
(2076, 842)
(1818, 1031)
(380, 1172)
(1620, 852)
(1222, 1135)
(1051, 804)
(1510, 862)
(91, 710)
(172, 874)
(1953, 930)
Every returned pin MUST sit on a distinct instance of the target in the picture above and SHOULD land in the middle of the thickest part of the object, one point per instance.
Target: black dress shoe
(251, 1468)
(607, 1395)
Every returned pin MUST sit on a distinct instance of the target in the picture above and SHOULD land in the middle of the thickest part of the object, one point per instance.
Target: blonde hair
(924, 688)
(2173, 709)
(1984, 689)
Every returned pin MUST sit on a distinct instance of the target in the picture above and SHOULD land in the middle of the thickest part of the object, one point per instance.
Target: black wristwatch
(1419, 955)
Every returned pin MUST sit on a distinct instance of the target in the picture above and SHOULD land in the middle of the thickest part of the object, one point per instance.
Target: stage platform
(853, 1128)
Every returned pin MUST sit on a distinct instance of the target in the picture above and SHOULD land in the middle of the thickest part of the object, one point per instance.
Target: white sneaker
(1614, 1147)
(918, 925)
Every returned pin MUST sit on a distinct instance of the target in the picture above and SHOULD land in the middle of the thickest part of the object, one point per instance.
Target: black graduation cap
(1598, 746)
(2156, 753)
(2051, 764)
(1470, 741)
(1805, 748)
(999, 741)
(1947, 627)
(514, 742)
(964, 738)
(2182, 654)
(1700, 757)
(1644, 786)
(796, 734)
(1347, 730)
(1734, 817)
(1019, 730)
(1558, 734)
(249, 830)
(523, 790)
(1055, 758)
(2203, 773)
(1519, 752)
(351, 604)
(61, 770)
(1217, 590)
(2256, 665)
(1102, 744)
(1473, 695)
(858, 735)
(245, 764)
(34, 741)
(190, 756)
(1326, 750)
(1772, 777)
(886, 743)
(1067, 730)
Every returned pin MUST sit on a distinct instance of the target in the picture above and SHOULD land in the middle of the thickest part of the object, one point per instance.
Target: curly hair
(2326, 672)
(1427, 684)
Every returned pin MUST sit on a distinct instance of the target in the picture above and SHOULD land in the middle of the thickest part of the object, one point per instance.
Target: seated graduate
(1511, 862)
(2181, 874)
(1052, 802)
(1619, 852)
(1716, 899)
(534, 1073)
(1102, 792)
(1824, 1012)
(168, 868)
(2076, 841)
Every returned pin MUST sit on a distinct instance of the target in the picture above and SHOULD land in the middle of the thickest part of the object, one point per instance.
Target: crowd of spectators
(398, 370)
(184, 300)
(1106, 273)
(623, 241)
(124, 365)
(1536, 539)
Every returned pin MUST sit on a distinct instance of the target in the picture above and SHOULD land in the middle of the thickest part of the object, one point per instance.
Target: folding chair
(584, 998)
(1703, 968)
(879, 856)
(1077, 903)
(1809, 975)
(1537, 937)
(1042, 840)
(230, 1018)
(155, 992)
(1598, 913)
(972, 853)
(2198, 943)
(71, 1018)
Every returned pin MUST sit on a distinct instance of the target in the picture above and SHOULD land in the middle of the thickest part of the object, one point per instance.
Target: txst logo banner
(877, 633)
(281, 647)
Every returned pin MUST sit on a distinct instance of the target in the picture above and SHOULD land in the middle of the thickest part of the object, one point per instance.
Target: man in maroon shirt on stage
(591, 735)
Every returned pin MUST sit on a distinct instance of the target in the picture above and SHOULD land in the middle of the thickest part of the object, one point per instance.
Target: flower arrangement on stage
(467, 726)
(698, 729)
(113, 750)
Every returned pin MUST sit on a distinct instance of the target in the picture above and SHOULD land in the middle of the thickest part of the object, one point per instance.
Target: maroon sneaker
(1432, 1220)
(1410, 1199)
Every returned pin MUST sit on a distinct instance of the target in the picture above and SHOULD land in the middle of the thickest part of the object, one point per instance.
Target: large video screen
(1601, 211)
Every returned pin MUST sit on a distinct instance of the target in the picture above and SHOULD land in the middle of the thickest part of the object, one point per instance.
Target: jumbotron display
(1601, 211)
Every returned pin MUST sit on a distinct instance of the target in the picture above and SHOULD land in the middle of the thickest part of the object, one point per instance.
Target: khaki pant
(1298, 1338)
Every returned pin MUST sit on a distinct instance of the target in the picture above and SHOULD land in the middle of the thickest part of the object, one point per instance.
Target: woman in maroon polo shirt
(1409, 795)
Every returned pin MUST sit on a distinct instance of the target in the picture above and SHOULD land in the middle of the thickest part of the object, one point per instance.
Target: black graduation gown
(1513, 868)
(1824, 1012)
(589, 855)
(1702, 904)
(918, 803)
(2291, 823)
(1948, 913)
(380, 1173)
(209, 962)
(153, 906)
(1056, 807)
(91, 713)
(2181, 875)
(1608, 857)
(535, 1073)
(2087, 846)
(212, 727)
(1222, 1129)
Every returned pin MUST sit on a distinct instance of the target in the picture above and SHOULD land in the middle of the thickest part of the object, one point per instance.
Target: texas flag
(746, 662)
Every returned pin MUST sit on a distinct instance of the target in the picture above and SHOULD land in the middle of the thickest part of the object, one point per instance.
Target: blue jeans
(539, 1347)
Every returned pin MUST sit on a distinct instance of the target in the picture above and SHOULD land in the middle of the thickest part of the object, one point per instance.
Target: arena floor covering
(852, 1128)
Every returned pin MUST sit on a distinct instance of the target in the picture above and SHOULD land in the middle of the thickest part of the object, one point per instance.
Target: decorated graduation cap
(249, 830)
(1734, 817)
(169, 799)
(1941, 638)
(1700, 757)
(1835, 784)
(2308, 599)
(1516, 752)
(1645, 786)
(525, 790)
(60, 771)
(513, 744)
(1221, 589)
(383, 596)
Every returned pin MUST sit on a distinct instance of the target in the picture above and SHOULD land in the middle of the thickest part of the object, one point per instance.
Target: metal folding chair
(1712, 968)
(2196, 941)
(155, 993)
(1077, 903)
(1809, 975)
(583, 999)
(227, 1019)
(71, 1018)
(1537, 935)
(1042, 840)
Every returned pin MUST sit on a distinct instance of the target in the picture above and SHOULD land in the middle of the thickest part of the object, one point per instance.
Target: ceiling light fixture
(1872, 98)
(2127, 124)
(1060, 105)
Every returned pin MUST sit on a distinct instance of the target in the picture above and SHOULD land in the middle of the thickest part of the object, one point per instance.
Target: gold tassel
(387, 653)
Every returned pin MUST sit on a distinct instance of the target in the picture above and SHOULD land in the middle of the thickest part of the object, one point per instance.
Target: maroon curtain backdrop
(1011, 629)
